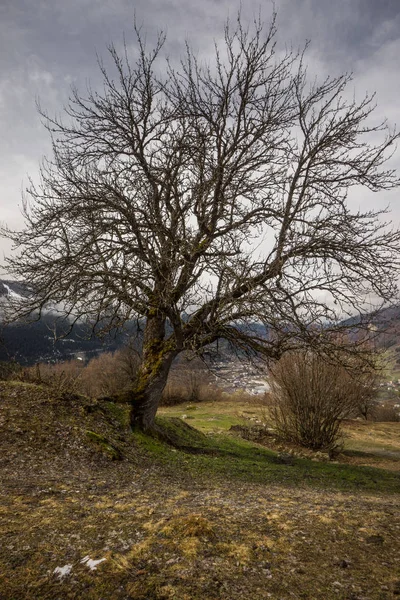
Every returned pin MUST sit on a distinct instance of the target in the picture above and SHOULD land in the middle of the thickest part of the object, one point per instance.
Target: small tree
(128, 360)
(311, 397)
(368, 395)
(189, 381)
(209, 197)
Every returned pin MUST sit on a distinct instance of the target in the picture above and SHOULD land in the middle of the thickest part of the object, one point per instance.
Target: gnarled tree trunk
(158, 355)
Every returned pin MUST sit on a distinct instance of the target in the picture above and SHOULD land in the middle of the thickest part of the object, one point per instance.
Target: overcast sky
(46, 45)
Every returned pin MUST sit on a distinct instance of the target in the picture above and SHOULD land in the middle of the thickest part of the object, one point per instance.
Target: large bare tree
(207, 200)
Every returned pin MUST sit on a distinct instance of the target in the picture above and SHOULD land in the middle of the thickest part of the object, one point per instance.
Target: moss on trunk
(158, 355)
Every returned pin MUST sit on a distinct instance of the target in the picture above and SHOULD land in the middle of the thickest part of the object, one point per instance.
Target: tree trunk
(158, 355)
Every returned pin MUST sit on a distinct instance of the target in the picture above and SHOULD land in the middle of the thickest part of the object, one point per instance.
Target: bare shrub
(104, 375)
(61, 377)
(110, 373)
(184, 383)
(367, 405)
(190, 381)
(128, 360)
(9, 370)
(174, 394)
(180, 394)
(386, 414)
(311, 398)
(185, 386)
(366, 394)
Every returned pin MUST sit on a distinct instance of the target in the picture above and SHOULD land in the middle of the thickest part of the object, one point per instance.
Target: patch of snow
(89, 562)
(11, 292)
(62, 571)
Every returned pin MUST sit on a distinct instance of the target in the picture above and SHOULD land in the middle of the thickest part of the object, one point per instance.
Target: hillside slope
(88, 510)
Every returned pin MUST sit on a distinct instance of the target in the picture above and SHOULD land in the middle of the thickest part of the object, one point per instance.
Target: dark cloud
(48, 44)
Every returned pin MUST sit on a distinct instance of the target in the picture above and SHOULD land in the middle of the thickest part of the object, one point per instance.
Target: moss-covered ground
(224, 518)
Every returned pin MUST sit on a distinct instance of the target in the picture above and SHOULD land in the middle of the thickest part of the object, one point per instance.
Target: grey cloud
(47, 44)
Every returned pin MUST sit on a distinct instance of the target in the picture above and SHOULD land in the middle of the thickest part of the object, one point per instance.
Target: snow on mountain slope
(10, 292)
(13, 289)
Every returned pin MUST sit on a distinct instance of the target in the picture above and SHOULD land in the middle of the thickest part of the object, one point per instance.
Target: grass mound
(182, 436)
(41, 431)
(101, 442)
(237, 460)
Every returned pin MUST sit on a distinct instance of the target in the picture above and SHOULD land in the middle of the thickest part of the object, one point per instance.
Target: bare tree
(367, 400)
(206, 198)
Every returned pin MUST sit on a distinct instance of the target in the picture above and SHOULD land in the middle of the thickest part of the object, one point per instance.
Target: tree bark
(158, 355)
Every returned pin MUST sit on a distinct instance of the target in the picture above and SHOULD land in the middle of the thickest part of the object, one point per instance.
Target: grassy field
(89, 510)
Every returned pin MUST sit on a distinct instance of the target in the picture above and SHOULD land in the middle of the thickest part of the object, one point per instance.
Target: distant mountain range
(37, 341)
(29, 343)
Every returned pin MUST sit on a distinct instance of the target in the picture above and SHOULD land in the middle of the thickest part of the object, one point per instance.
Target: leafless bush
(110, 373)
(366, 399)
(312, 397)
(386, 414)
(186, 387)
(190, 381)
(128, 360)
(104, 375)
(174, 394)
(61, 377)
(185, 382)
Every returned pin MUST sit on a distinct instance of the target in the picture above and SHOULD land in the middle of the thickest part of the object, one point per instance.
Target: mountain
(29, 343)
(40, 341)
(37, 342)
(12, 289)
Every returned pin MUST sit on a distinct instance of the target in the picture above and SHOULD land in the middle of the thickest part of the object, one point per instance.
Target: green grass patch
(208, 416)
(237, 459)
(117, 412)
(104, 445)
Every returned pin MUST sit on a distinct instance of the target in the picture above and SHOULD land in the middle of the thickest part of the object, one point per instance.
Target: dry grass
(215, 542)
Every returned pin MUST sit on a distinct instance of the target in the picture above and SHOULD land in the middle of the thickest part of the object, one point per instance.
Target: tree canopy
(210, 197)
